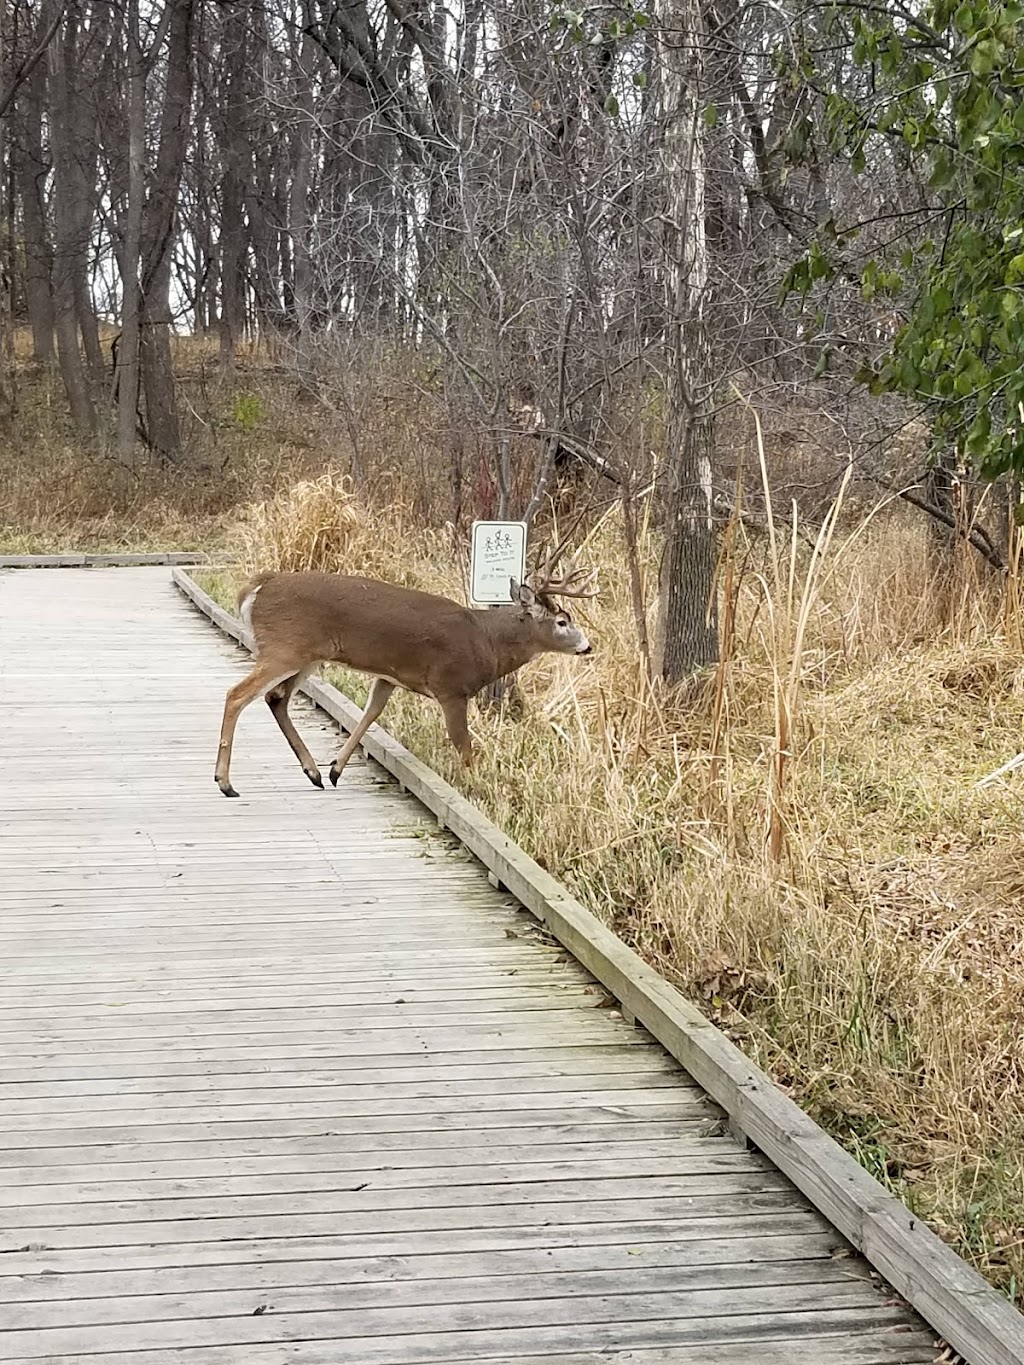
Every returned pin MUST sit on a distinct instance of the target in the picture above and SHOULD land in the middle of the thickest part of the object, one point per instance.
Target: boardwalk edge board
(951, 1297)
(126, 560)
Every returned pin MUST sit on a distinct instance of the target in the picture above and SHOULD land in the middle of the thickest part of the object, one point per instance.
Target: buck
(403, 638)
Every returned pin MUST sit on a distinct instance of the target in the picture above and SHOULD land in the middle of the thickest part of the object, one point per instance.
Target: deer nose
(587, 649)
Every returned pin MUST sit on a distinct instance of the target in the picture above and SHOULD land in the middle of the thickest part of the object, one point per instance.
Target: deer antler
(574, 582)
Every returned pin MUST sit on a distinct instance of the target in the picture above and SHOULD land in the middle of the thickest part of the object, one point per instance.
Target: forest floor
(875, 966)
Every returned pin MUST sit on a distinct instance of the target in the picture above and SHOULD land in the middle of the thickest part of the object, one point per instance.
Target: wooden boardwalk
(285, 1081)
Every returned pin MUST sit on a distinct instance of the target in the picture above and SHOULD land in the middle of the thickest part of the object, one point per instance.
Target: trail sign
(498, 554)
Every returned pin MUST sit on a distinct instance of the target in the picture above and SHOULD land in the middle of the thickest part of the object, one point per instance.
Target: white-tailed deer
(403, 638)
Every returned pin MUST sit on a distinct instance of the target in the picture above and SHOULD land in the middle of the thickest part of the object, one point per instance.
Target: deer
(402, 637)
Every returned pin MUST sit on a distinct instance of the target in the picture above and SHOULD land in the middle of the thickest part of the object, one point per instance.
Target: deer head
(554, 623)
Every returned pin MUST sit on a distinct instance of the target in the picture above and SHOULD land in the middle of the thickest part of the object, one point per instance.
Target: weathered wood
(33, 1185)
(800, 1261)
(431, 1142)
(838, 1348)
(426, 1333)
(477, 1301)
(259, 1079)
(980, 1323)
(792, 1237)
(714, 1218)
(127, 559)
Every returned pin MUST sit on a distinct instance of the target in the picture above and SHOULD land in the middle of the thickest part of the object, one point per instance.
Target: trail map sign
(499, 553)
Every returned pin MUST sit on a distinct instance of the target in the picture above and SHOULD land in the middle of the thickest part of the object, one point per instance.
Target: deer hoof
(227, 788)
(314, 777)
(334, 774)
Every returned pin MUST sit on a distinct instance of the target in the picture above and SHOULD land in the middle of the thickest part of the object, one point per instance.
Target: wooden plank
(396, 1036)
(428, 1140)
(715, 1218)
(491, 1010)
(119, 559)
(668, 1101)
(421, 1166)
(258, 1083)
(260, 1197)
(561, 1180)
(354, 1098)
(476, 1299)
(342, 1124)
(331, 1043)
(697, 1242)
(980, 1323)
(258, 986)
(140, 1179)
(837, 1348)
(553, 1060)
(546, 1325)
(798, 1260)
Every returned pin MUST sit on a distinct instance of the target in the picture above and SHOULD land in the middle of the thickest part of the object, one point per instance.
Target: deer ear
(526, 598)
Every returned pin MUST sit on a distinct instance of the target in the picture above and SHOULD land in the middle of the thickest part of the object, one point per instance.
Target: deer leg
(457, 721)
(265, 676)
(277, 699)
(375, 704)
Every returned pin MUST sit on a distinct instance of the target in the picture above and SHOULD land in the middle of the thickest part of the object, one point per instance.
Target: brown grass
(856, 925)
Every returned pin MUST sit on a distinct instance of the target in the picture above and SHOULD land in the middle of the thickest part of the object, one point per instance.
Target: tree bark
(67, 247)
(234, 155)
(32, 171)
(128, 352)
(163, 429)
(687, 634)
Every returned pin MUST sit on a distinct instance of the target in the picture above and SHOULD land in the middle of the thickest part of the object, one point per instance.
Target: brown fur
(419, 641)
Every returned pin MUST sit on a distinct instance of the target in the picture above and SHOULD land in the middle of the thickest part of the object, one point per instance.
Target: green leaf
(943, 300)
(611, 106)
(986, 56)
(711, 116)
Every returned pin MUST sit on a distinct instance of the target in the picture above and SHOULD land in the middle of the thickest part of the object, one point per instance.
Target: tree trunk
(234, 155)
(162, 427)
(128, 351)
(7, 389)
(66, 246)
(945, 489)
(687, 635)
(298, 207)
(32, 171)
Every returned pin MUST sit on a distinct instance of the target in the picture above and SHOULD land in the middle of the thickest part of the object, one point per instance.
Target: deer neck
(513, 640)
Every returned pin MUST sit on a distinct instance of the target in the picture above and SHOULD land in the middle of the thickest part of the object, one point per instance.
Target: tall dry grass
(851, 915)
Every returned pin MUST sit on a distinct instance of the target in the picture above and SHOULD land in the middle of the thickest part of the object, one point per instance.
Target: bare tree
(131, 246)
(687, 637)
(68, 217)
(162, 426)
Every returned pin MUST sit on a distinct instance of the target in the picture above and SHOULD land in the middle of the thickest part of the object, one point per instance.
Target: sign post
(498, 554)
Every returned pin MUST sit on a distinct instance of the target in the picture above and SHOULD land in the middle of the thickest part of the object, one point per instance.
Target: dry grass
(875, 967)
(845, 903)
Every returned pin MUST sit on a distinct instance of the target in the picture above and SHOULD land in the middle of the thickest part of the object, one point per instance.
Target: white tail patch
(245, 610)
